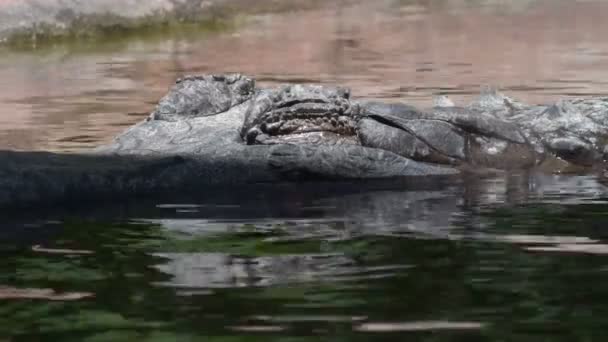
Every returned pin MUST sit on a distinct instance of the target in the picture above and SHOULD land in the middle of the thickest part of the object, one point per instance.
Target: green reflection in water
(91, 39)
(313, 288)
(110, 32)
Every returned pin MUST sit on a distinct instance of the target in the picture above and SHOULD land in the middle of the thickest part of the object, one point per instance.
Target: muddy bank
(29, 23)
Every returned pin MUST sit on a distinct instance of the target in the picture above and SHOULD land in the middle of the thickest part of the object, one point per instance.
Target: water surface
(74, 96)
(520, 257)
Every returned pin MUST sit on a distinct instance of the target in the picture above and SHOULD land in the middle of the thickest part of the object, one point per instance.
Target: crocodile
(263, 135)
(318, 131)
(224, 130)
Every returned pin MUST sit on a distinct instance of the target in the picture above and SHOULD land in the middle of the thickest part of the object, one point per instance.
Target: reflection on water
(487, 260)
(514, 258)
(77, 96)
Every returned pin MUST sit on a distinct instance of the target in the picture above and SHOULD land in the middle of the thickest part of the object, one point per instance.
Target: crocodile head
(306, 114)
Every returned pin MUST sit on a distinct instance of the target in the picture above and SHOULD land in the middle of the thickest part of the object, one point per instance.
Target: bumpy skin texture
(221, 130)
(195, 96)
(320, 131)
(573, 130)
(449, 135)
(496, 131)
(315, 137)
(301, 113)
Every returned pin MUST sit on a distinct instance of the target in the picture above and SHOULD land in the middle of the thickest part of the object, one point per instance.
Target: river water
(520, 257)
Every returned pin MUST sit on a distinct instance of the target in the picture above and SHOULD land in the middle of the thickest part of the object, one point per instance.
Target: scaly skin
(301, 114)
(495, 131)
(287, 133)
(222, 131)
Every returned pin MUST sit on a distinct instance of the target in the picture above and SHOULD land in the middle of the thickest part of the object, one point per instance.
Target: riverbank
(34, 23)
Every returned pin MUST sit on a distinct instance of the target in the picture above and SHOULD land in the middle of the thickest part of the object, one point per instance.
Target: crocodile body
(219, 130)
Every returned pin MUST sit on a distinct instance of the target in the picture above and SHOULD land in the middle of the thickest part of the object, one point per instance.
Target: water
(75, 96)
(520, 257)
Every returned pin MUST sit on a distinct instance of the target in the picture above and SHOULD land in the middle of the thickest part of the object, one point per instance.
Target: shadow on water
(497, 259)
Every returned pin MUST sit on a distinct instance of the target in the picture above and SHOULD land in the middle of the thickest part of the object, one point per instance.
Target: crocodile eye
(244, 89)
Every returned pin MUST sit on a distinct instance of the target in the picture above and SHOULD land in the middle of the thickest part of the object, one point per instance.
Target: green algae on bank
(87, 34)
(113, 38)
(71, 26)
